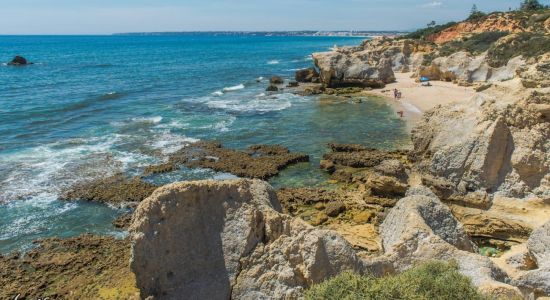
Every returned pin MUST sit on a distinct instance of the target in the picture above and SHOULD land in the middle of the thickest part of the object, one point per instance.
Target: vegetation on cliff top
(527, 44)
(475, 44)
(432, 280)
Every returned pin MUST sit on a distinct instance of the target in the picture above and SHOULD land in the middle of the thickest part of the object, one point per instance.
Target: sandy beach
(416, 99)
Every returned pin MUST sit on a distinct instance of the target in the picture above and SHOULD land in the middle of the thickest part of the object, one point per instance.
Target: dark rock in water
(258, 161)
(116, 189)
(123, 222)
(293, 84)
(18, 61)
(307, 75)
(272, 88)
(276, 80)
(357, 156)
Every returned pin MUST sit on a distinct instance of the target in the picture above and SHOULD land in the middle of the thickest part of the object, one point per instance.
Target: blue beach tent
(424, 79)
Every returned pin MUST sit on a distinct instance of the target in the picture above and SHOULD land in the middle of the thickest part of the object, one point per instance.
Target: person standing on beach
(395, 94)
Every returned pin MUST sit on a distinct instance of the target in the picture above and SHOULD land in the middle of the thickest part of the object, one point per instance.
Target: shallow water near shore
(94, 106)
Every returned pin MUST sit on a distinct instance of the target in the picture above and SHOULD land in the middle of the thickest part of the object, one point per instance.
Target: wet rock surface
(258, 161)
(123, 221)
(115, 190)
(383, 173)
(84, 267)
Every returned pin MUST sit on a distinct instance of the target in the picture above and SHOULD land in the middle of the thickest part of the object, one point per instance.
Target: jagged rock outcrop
(369, 65)
(420, 227)
(466, 68)
(228, 240)
(484, 146)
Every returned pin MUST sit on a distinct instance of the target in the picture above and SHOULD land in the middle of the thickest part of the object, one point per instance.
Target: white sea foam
(308, 58)
(169, 143)
(252, 105)
(234, 88)
(217, 93)
(152, 120)
(221, 126)
(273, 62)
(42, 172)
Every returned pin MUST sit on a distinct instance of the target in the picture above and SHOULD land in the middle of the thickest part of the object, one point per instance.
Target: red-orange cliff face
(510, 22)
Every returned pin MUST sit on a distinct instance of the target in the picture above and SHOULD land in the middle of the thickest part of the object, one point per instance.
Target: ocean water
(92, 106)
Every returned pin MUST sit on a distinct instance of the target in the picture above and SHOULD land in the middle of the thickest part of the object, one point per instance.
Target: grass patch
(432, 280)
(526, 44)
(475, 44)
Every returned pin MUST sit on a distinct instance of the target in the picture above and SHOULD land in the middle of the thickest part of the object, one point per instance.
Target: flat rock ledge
(229, 240)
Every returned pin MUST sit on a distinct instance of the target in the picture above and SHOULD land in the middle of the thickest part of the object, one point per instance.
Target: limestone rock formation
(539, 245)
(420, 227)
(354, 66)
(537, 281)
(228, 240)
(496, 143)
(466, 68)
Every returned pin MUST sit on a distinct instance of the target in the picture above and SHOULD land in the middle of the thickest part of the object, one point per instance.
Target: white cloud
(433, 4)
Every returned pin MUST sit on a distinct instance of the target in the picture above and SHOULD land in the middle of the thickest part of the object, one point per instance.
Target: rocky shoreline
(474, 189)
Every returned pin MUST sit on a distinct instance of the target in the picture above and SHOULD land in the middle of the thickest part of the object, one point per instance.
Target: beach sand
(417, 99)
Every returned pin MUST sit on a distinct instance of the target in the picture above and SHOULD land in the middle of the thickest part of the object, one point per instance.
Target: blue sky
(110, 16)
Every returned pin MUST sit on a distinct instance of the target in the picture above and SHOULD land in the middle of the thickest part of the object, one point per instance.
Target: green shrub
(475, 44)
(527, 44)
(531, 5)
(425, 32)
(429, 281)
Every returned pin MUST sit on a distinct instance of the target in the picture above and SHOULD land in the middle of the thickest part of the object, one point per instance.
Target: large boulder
(421, 228)
(228, 240)
(306, 75)
(276, 80)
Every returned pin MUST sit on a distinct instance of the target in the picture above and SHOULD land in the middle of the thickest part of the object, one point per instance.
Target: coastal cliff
(472, 190)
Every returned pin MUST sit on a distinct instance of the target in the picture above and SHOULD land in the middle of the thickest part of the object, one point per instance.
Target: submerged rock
(115, 189)
(228, 240)
(272, 88)
(258, 161)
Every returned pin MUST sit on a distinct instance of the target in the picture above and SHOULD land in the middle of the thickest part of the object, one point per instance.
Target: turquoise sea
(91, 106)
